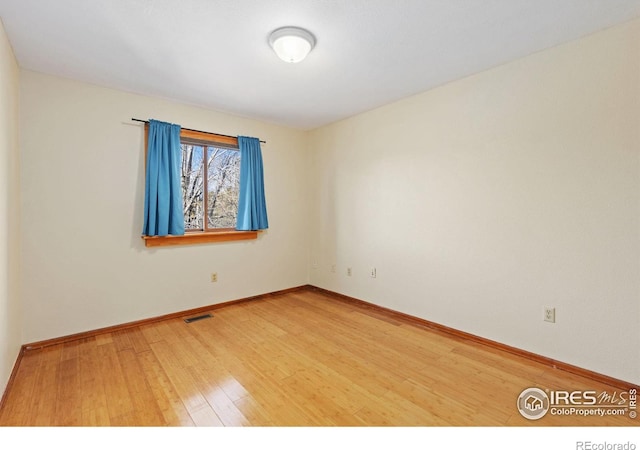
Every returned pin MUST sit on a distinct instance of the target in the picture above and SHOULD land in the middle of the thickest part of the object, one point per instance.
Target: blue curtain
(163, 192)
(252, 208)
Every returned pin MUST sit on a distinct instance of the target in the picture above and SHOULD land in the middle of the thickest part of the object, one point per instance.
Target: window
(210, 203)
(210, 185)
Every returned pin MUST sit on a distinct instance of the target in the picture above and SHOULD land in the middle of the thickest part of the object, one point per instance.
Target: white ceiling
(214, 53)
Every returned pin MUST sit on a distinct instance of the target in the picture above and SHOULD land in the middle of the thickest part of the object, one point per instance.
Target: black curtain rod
(198, 131)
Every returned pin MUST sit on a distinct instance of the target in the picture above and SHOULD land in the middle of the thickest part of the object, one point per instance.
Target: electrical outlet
(549, 314)
(333, 268)
(373, 272)
(348, 271)
(214, 277)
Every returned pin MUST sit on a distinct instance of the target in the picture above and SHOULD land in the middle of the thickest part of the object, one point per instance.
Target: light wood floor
(302, 358)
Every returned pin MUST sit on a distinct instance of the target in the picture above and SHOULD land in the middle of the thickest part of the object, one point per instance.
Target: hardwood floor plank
(94, 410)
(44, 402)
(23, 396)
(68, 410)
(119, 404)
(104, 338)
(254, 412)
(145, 407)
(330, 396)
(122, 339)
(184, 385)
(173, 410)
(222, 405)
(70, 350)
(138, 340)
(151, 333)
(205, 417)
(437, 410)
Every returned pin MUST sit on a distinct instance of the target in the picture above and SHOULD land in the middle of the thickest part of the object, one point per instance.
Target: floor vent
(193, 319)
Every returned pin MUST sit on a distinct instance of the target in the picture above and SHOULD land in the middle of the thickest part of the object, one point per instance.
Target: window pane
(223, 183)
(192, 186)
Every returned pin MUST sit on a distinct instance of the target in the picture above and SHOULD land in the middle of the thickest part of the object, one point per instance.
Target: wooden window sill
(199, 238)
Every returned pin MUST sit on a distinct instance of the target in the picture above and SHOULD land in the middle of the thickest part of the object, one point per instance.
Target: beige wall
(10, 306)
(484, 200)
(84, 264)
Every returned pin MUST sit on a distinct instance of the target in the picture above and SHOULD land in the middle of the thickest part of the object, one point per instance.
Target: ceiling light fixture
(292, 44)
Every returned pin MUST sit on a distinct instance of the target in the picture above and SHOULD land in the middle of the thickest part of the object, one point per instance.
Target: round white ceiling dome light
(292, 44)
